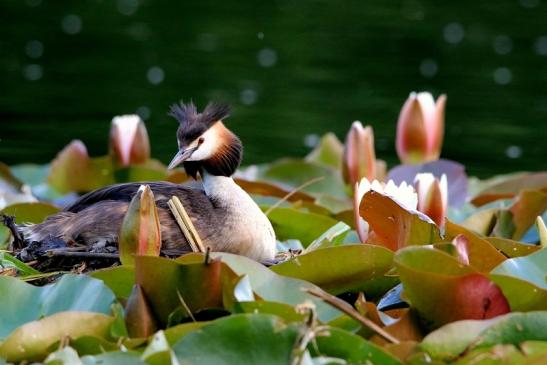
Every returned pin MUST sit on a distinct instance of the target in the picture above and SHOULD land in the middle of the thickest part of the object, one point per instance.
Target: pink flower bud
(432, 196)
(129, 140)
(420, 128)
(359, 156)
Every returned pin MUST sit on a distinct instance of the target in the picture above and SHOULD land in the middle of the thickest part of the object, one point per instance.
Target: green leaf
(273, 287)
(26, 303)
(512, 248)
(120, 279)
(531, 268)
(443, 290)
(503, 187)
(166, 283)
(515, 329)
(352, 348)
(345, 268)
(449, 341)
(528, 206)
(332, 237)
(32, 340)
(239, 339)
(30, 212)
(328, 152)
(523, 281)
(482, 255)
(114, 358)
(293, 173)
(290, 223)
(7, 260)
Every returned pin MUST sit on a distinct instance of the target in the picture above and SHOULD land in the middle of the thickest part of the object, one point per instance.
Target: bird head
(203, 140)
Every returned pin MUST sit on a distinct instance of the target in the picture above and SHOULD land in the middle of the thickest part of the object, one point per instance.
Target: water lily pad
(293, 173)
(328, 152)
(395, 226)
(482, 255)
(32, 340)
(352, 348)
(276, 288)
(30, 212)
(268, 189)
(290, 223)
(444, 290)
(345, 268)
(71, 293)
(512, 248)
(239, 339)
(509, 186)
(523, 280)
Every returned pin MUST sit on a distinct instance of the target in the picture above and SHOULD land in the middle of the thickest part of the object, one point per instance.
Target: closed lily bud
(420, 128)
(71, 168)
(140, 232)
(359, 157)
(432, 196)
(129, 142)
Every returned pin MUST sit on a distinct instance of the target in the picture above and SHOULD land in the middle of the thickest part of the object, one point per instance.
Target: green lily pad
(120, 279)
(523, 281)
(32, 340)
(30, 212)
(7, 261)
(328, 152)
(332, 237)
(444, 290)
(345, 268)
(293, 173)
(352, 348)
(26, 303)
(290, 223)
(239, 339)
(274, 287)
(512, 248)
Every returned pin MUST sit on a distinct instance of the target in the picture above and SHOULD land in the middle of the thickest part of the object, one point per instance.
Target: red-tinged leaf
(528, 206)
(268, 189)
(394, 226)
(479, 298)
(168, 284)
(444, 290)
(482, 255)
(139, 319)
(510, 187)
(140, 233)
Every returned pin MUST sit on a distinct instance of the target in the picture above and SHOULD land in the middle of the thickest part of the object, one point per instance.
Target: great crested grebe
(225, 216)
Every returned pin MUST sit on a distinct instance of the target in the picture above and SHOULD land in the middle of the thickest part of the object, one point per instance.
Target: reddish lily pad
(510, 186)
(444, 290)
(395, 226)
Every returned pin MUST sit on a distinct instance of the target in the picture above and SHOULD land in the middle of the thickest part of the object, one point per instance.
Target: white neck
(251, 232)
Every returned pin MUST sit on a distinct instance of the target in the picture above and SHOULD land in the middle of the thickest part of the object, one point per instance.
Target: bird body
(225, 216)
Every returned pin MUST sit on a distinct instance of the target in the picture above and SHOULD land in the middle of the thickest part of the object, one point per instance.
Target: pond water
(293, 70)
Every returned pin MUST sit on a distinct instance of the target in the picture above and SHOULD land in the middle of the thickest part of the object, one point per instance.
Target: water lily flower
(359, 159)
(420, 128)
(432, 196)
(70, 170)
(403, 194)
(129, 142)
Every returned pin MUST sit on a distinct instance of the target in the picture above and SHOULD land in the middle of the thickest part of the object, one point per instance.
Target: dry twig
(185, 224)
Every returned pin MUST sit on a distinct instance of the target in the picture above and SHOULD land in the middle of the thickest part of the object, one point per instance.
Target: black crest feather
(187, 114)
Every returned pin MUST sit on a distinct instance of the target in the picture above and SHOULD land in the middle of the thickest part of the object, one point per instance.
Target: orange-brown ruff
(225, 216)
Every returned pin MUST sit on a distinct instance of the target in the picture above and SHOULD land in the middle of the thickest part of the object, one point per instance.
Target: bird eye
(201, 140)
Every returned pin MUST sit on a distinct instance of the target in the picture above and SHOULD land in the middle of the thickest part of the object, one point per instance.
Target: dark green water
(290, 68)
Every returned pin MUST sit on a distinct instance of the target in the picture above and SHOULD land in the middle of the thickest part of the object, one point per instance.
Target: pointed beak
(180, 157)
